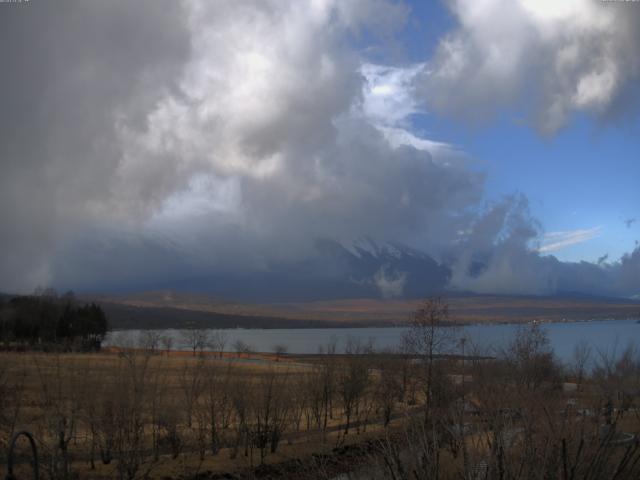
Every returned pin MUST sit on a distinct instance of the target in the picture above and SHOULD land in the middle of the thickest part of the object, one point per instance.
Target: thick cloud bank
(69, 71)
(247, 148)
(499, 255)
(552, 57)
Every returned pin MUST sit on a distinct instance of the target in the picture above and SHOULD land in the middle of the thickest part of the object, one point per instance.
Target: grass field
(77, 404)
(141, 414)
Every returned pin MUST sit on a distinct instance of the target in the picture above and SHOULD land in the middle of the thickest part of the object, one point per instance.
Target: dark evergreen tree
(46, 319)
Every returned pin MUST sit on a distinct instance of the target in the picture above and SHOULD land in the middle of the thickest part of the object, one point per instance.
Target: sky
(187, 140)
(581, 178)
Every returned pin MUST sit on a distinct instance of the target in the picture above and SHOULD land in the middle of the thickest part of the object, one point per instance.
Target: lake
(607, 336)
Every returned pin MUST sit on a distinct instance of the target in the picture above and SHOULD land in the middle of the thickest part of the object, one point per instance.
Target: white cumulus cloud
(550, 58)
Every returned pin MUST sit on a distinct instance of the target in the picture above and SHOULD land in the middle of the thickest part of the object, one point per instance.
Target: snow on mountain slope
(365, 268)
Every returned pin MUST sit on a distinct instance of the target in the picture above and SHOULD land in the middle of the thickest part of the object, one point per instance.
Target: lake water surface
(607, 336)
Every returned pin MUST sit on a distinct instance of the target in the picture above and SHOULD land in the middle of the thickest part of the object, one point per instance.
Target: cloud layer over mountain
(234, 145)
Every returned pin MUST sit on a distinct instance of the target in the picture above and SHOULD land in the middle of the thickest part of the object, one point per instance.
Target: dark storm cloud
(114, 113)
(69, 69)
(168, 144)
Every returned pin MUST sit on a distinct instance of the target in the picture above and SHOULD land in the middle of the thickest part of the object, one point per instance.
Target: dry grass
(53, 387)
(55, 384)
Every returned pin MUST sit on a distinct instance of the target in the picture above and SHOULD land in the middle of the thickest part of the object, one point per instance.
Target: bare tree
(12, 386)
(90, 404)
(617, 372)
(353, 381)
(316, 393)
(300, 399)
(241, 398)
(197, 339)
(280, 350)
(61, 390)
(386, 389)
(191, 385)
(219, 341)
(131, 394)
(330, 348)
(157, 399)
(270, 411)
(580, 361)
(241, 347)
(531, 358)
(327, 383)
(149, 340)
(217, 402)
(430, 335)
(167, 343)
(170, 436)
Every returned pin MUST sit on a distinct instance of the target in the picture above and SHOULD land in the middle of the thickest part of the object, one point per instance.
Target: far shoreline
(364, 325)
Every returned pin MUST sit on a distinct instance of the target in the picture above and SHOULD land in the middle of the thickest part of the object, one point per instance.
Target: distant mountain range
(364, 269)
(332, 271)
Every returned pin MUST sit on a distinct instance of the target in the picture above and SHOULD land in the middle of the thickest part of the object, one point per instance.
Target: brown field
(149, 414)
(162, 309)
(66, 394)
